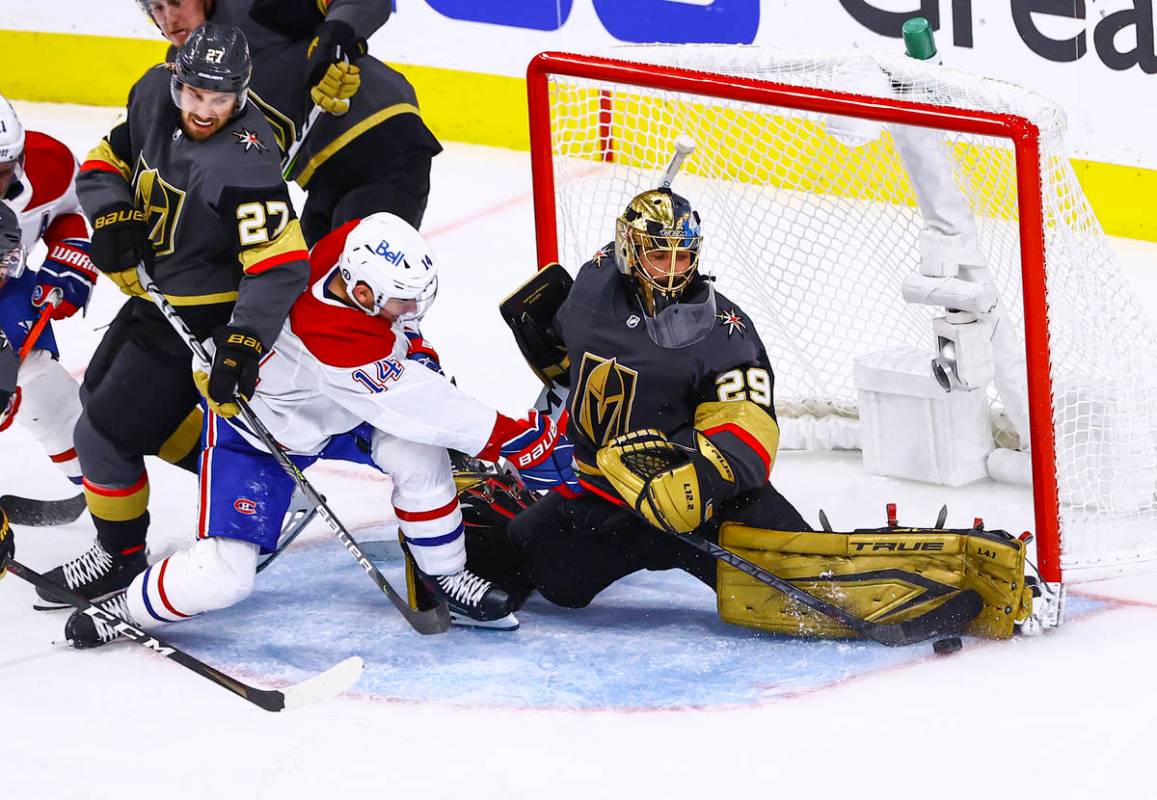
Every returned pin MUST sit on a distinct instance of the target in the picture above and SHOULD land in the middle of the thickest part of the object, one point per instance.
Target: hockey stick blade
(42, 513)
(330, 683)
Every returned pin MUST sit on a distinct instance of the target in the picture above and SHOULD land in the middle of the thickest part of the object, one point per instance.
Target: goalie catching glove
(672, 486)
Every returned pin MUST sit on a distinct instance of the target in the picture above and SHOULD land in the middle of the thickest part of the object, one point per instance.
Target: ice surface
(644, 694)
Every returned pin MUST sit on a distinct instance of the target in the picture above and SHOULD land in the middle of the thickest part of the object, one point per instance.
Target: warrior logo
(243, 505)
(604, 396)
(161, 203)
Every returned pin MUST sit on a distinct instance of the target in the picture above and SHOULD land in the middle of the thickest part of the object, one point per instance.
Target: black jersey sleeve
(300, 18)
(735, 409)
(272, 254)
(105, 177)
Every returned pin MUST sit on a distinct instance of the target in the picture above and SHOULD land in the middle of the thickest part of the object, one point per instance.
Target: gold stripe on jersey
(327, 152)
(284, 131)
(289, 245)
(104, 152)
(748, 421)
(184, 438)
(201, 299)
(323, 6)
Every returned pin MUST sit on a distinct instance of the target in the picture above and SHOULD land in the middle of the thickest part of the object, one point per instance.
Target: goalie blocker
(887, 575)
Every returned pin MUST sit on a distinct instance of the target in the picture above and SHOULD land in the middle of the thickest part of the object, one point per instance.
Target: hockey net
(811, 223)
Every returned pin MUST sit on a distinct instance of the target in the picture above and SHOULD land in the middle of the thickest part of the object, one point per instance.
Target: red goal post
(1019, 131)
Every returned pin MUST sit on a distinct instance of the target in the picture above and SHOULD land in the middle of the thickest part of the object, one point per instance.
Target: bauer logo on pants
(243, 505)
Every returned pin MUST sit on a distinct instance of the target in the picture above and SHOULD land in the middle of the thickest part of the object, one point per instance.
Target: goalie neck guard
(385, 253)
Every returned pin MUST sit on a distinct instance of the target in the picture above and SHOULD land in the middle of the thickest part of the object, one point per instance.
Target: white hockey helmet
(386, 254)
(11, 137)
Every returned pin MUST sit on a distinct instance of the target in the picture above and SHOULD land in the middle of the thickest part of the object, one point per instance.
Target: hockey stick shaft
(291, 154)
(38, 327)
(268, 699)
(435, 620)
(684, 146)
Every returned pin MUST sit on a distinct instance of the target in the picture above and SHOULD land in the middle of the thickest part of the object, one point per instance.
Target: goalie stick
(322, 686)
(434, 620)
(40, 513)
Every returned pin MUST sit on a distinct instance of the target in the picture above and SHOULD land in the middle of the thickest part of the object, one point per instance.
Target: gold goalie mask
(657, 242)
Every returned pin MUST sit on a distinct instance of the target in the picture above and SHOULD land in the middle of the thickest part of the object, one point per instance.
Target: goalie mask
(657, 246)
(385, 253)
(11, 146)
(11, 251)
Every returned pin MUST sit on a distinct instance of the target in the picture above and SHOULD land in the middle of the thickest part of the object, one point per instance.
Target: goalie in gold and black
(670, 411)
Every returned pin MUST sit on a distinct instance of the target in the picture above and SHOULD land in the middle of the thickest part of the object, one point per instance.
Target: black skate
(94, 575)
(83, 632)
(473, 601)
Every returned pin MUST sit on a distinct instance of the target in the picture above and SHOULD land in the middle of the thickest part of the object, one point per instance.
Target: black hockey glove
(120, 240)
(7, 543)
(331, 75)
(234, 369)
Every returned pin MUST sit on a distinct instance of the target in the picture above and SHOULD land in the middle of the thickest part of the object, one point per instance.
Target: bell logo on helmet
(383, 250)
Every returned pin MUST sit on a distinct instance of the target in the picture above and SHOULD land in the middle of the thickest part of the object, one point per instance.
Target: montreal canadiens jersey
(621, 380)
(45, 197)
(334, 367)
(47, 209)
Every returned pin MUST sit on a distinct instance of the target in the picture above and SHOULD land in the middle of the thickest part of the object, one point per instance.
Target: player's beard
(200, 133)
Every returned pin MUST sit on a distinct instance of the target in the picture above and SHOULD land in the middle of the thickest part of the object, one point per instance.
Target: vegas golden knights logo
(161, 203)
(603, 398)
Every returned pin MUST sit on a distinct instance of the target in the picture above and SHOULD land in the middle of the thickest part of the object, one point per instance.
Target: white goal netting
(811, 223)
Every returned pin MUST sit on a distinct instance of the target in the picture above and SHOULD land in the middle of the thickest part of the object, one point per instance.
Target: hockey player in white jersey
(344, 380)
(38, 183)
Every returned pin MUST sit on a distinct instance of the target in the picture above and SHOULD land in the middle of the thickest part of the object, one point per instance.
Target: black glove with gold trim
(234, 371)
(672, 486)
(120, 241)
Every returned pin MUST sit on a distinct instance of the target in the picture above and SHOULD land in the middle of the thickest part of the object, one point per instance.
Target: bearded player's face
(204, 112)
(177, 19)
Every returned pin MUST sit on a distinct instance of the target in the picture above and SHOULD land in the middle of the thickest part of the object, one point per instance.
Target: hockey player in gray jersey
(370, 151)
(189, 184)
(656, 361)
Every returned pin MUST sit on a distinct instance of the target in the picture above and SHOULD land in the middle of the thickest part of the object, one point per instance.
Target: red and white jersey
(46, 203)
(334, 367)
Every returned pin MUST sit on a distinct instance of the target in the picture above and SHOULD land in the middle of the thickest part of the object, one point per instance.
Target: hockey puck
(943, 647)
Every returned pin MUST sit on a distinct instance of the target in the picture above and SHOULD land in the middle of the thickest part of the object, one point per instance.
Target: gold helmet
(656, 222)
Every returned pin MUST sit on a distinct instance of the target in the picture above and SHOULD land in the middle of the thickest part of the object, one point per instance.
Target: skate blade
(53, 605)
(507, 623)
